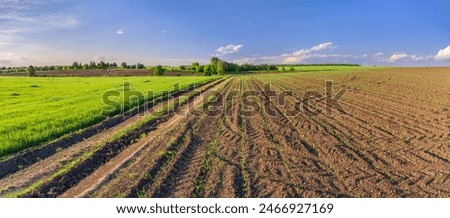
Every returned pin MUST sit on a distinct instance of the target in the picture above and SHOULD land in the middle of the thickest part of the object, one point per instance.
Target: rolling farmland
(390, 137)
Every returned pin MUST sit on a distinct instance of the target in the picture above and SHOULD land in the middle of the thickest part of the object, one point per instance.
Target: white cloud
(297, 56)
(21, 16)
(443, 54)
(321, 54)
(14, 5)
(422, 58)
(229, 49)
(303, 54)
(323, 46)
(403, 56)
(120, 31)
(19, 22)
(24, 54)
(16, 24)
(163, 32)
(397, 56)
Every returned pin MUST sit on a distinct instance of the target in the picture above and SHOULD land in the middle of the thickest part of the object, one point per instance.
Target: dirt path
(100, 176)
(178, 152)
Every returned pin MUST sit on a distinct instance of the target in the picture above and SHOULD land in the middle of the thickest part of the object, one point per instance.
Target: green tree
(200, 68)
(196, 67)
(214, 61)
(124, 65)
(31, 71)
(158, 71)
(102, 65)
(92, 65)
(75, 65)
(291, 68)
(273, 67)
(85, 66)
(283, 69)
(213, 69)
(140, 66)
(219, 68)
(207, 70)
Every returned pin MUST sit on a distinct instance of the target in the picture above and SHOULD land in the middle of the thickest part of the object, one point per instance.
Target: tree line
(103, 65)
(215, 67)
(220, 67)
(75, 66)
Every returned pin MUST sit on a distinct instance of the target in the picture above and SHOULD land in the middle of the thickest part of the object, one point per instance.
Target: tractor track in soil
(160, 168)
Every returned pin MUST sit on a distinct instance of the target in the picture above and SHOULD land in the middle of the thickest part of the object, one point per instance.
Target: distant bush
(158, 71)
(140, 66)
(31, 71)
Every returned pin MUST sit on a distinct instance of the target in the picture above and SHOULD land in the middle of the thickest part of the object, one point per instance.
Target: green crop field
(37, 110)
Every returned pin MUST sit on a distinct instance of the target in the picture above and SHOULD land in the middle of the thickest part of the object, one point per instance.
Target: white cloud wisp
(229, 49)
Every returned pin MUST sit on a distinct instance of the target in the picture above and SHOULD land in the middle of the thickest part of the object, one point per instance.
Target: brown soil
(391, 139)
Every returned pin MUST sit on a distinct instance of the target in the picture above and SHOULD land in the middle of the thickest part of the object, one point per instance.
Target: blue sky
(381, 32)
